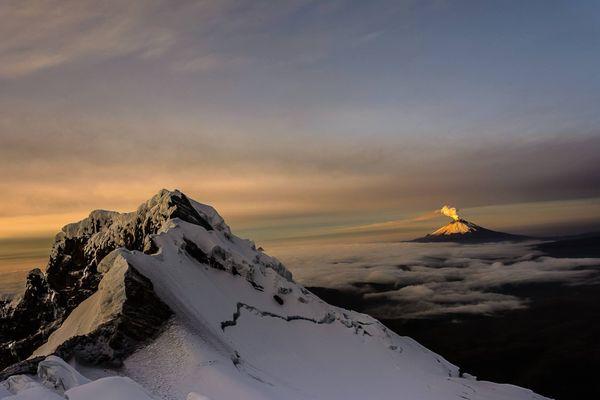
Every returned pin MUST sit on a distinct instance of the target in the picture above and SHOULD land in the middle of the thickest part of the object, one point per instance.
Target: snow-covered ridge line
(240, 326)
(329, 318)
(326, 319)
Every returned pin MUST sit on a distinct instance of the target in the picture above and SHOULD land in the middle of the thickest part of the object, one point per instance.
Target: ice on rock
(113, 388)
(55, 373)
(57, 380)
(22, 387)
(19, 383)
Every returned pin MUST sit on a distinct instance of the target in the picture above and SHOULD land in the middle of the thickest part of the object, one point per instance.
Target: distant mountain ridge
(583, 245)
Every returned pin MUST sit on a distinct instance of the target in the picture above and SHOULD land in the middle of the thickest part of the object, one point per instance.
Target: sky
(301, 120)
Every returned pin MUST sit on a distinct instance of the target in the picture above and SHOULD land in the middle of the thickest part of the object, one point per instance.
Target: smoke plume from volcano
(450, 212)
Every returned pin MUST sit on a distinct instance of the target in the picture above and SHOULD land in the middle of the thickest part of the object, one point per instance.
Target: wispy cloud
(388, 225)
(38, 35)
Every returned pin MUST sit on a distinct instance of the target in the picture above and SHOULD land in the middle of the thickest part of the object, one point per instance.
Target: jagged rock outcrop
(72, 269)
(72, 273)
(27, 324)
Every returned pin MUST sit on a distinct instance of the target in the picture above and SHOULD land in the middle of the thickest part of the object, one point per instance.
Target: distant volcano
(463, 231)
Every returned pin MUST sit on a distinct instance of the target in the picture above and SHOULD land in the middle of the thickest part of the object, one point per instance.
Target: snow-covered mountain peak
(168, 296)
(459, 226)
(156, 212)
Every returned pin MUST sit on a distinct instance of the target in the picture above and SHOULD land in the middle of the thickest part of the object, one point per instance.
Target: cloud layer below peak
(409, 280)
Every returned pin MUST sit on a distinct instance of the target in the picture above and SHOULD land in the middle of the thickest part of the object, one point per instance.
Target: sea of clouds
(412, 280)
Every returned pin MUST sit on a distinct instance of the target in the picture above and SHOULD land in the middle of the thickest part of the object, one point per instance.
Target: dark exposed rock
(278, 299)
(587, 246)
(284, 290)
(26, 367)
(195, 252)
(250, 280)
(186, 212)
(217, 259)
(150, 247)
(27, 325)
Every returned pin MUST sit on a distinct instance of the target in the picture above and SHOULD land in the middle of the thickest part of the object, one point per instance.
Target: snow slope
(56, 380)
(243, 329)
